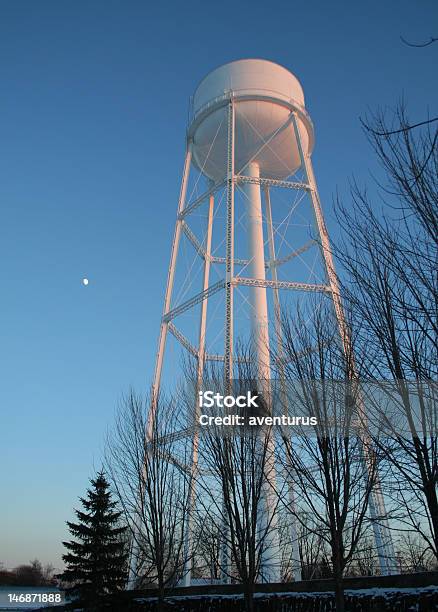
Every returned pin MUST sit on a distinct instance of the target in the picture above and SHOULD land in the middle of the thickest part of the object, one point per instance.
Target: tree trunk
(432, 500)
(339, 595)
(249, 598)
(160, 601)
(339, 587)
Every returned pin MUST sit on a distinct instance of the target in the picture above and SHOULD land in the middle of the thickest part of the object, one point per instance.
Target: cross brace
(267, 182)
(216, 357)
(176, 435)
(257, 282)
(269, 264)
(241, 280)
(182, 339)
(200, 297)
(191, 236)
(283, 260)
(222, 260)
(197, 203)
(242, 179)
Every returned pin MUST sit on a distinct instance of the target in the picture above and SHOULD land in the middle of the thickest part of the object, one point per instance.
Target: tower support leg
(229, 312)
(382, 534)
(169, 285)
(188, 544)
(134, 557)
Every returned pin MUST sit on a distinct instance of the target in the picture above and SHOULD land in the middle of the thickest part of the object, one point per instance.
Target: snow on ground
(373, 592)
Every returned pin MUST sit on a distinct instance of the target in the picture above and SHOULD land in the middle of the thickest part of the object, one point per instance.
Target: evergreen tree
(97, 557)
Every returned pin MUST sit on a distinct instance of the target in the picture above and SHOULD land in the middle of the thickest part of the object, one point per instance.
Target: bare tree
(325, 461)
(364, 561)
(235, 487)
(146, 463)
(391, 258)
(315, 558)
(413, 556)
(238, 464)
(31, 574)
(208, 535)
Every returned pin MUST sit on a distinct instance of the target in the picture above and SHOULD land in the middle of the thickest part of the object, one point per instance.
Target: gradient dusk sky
(93, 111)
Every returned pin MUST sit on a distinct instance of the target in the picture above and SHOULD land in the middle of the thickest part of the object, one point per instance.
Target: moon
(85, 281)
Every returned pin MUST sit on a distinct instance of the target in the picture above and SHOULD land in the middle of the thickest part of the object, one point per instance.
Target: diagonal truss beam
(258, 282)
(182, 339)
(195, 242)
(183, 467)
(196, 299)
(176, 435)
(308, 351)
(200, 200)
(283, 260)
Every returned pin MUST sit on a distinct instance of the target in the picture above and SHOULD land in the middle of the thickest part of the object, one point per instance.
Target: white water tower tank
(265, 94)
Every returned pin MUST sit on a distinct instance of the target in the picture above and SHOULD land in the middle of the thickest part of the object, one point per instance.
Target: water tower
(249, 139)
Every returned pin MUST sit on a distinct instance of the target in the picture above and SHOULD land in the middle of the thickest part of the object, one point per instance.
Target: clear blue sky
(93, 109)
